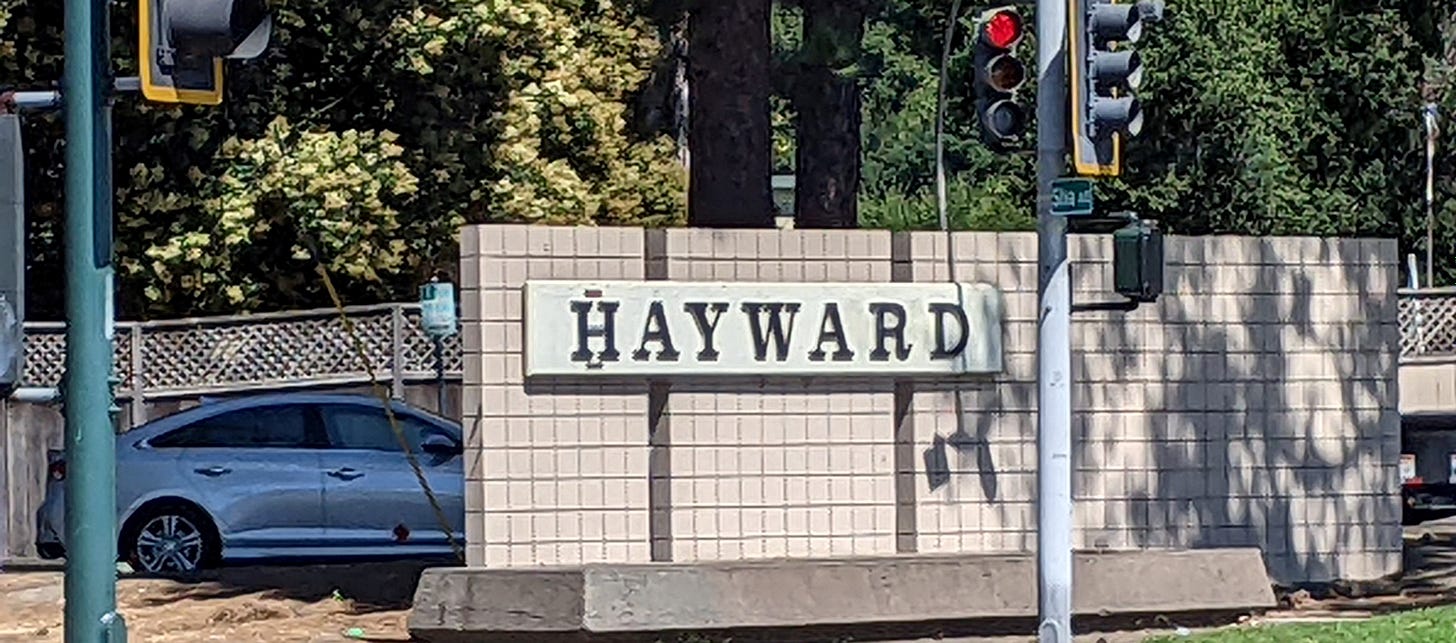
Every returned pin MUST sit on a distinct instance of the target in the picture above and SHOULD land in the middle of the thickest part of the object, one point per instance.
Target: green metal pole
(90, 612)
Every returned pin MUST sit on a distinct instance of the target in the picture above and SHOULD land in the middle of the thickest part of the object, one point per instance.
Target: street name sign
(1072, 198)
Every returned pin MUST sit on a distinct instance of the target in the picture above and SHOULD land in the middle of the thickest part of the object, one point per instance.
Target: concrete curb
(788, 594)
(9, 565)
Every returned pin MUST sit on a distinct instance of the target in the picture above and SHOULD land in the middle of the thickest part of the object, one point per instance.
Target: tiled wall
(1254, 404)
(555, 473)
(771, 470)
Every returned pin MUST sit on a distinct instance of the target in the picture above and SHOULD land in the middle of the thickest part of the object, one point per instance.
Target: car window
(277, 427)
(367, 427)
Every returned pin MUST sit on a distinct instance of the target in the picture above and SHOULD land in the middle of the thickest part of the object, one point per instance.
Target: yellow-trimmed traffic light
(184, 42)
(1104, 73)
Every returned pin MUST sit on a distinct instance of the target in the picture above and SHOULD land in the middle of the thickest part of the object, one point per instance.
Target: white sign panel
(617, 328)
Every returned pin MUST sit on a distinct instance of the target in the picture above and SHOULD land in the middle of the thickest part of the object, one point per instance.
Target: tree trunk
(729, 179)
(827, 102)
(681, 94)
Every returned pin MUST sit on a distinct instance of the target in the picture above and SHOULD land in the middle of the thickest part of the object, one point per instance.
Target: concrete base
(454, 604)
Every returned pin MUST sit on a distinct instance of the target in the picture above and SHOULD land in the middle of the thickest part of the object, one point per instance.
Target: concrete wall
(1428, 385)
(1254, 405)
(28, 431)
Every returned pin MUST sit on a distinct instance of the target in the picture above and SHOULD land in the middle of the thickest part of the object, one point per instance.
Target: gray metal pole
(1054, 346)
(440, 375)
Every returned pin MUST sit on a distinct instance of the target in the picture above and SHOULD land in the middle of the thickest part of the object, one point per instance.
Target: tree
(729, 80)
(826, 92)
(370, 130)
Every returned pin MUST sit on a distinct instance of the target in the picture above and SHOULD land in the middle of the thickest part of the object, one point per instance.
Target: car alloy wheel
(170, 543)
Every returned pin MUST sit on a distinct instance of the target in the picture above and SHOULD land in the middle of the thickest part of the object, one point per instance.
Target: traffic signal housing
(1137, 261)
(1105, 74)
(184, 43)
(999, 73)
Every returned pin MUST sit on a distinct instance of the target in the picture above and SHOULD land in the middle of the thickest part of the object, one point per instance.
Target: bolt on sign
(612, 328)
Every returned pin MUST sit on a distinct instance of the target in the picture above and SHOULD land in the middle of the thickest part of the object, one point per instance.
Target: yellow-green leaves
(338, 189)
(374, 130)
(563, 153)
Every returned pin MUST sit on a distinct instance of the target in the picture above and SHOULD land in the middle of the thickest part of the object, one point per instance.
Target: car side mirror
(436, 444)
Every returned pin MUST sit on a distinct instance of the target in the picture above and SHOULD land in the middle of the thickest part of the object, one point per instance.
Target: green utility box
(1137, 261)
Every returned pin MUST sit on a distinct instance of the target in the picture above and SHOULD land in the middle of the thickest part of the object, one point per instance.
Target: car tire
(172, 539)
(50, 551)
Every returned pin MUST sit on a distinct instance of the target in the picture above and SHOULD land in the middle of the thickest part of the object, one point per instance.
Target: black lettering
(655, 330)
(884, 330)
(585, 331)
(775, 328)
(834, 334)
(705, 327)
(939, 310)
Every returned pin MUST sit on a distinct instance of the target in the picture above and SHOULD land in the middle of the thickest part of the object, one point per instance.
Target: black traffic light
(184, 42)
(1105, 73)
(999, 73)
(12, 254)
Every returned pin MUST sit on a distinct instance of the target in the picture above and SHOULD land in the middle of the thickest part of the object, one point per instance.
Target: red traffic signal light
(1003, 29)
(999, 73)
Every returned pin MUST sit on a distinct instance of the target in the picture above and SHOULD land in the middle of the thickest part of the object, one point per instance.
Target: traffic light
(1105, 73)
(12, 254)
(184, 42)
(999, 73)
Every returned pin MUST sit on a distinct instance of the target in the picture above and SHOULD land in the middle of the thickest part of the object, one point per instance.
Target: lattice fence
(207, 355)
(197, 356)
(1428, 323)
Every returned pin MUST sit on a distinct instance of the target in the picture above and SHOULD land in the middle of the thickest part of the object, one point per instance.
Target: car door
(373, 501)
(257, 471)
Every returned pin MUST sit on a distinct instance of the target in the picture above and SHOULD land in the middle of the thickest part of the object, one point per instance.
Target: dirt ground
(305, 605)
(370, 602)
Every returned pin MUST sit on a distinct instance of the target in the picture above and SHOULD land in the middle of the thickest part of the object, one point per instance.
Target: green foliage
(1300, 122)
(986, 205)
(1416, 626)
(1282, 117)
(336, 190)
(984, 190)
(373, 130)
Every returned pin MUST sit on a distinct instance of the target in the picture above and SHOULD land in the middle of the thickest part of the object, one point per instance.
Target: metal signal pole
(90, 586)
(1054, 346)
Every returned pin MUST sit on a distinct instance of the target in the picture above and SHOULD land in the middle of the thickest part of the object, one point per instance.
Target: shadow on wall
(1263, 456)
(972, 447)
(1276, 428)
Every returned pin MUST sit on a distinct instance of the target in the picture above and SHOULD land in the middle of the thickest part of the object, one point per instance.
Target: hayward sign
(669, 328)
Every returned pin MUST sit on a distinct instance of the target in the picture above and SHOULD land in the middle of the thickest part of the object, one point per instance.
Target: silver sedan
(284, 476)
